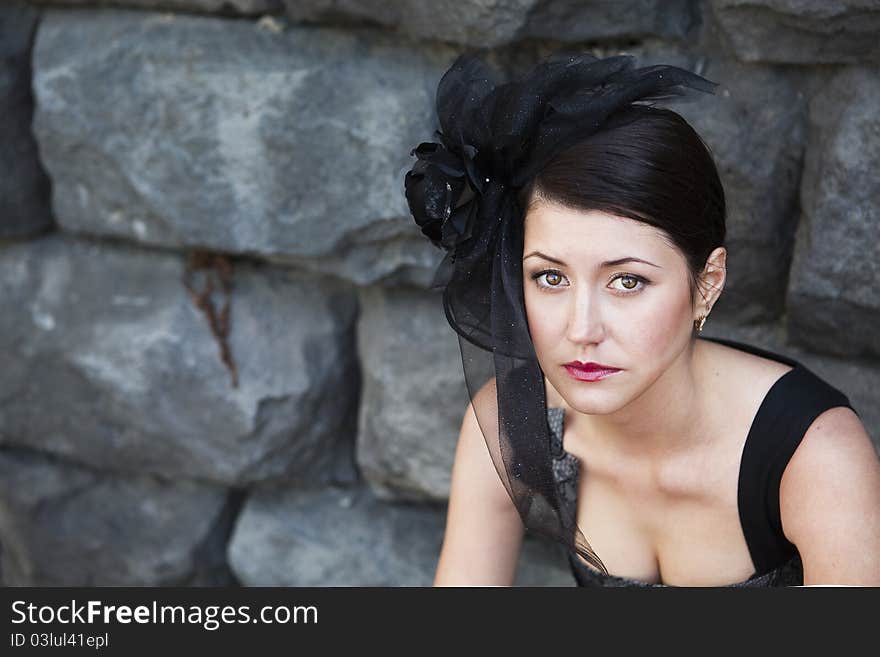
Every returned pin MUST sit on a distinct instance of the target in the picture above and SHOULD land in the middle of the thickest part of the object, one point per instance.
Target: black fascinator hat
(494, 137)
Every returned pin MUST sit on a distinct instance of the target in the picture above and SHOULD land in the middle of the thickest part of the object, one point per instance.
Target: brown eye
(551, 279)
(631, 283)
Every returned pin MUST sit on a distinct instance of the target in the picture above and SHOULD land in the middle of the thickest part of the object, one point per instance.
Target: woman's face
(631, 315)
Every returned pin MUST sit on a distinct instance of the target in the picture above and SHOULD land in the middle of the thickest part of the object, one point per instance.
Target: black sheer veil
(462, 192)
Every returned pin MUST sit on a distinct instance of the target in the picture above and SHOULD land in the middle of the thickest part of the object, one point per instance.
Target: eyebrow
(607, 263)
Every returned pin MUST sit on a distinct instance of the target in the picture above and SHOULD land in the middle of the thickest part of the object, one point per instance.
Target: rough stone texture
(224, 7)
(289, 145)
(108, 338)
(348, 537)
(576, 20)
(858, 381)
(414, 395)
(333, 537)
(24, 187)
(834, 293)
(801, 31)
(65, 525)
(755, 127)
(493, 23)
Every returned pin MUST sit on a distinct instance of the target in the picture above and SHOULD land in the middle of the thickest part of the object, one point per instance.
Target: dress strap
(791, 405)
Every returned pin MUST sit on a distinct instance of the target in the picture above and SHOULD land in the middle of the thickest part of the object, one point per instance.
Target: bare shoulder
(829, 500)
(835, 450)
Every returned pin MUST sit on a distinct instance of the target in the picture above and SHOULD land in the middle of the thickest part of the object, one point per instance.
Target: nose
(585, 322)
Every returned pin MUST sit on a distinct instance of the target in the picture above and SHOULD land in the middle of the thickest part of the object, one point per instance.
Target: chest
(676, 522)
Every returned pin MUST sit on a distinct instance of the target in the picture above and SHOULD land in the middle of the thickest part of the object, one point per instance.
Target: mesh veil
(494, 137)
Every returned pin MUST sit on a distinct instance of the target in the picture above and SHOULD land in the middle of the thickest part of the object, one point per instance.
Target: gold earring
(699, 325)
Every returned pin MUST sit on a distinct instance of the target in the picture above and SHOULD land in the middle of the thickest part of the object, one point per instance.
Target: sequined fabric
(566, 468)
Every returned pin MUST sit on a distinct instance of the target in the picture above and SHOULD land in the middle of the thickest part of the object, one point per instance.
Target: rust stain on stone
(217, 273)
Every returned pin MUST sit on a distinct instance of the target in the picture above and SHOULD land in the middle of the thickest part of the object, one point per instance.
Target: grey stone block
(24, 187)
(414, 394)
(834, 287)
(65, 525)
(108, 361)
(225, 7)
(194, 131)
(801, 31)
(493, 23)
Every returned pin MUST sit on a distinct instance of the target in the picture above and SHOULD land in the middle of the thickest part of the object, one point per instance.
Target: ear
(712, 280)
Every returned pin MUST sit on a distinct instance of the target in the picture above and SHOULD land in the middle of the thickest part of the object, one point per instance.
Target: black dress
(788, 409)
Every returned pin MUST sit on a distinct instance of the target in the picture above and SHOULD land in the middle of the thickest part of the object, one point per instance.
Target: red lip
(589, 371)
(590, 366)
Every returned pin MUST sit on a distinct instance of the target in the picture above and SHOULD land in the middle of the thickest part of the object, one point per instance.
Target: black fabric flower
(440, 197)
(448, 188)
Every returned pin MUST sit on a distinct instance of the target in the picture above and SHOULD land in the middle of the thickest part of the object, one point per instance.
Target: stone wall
(220, 362)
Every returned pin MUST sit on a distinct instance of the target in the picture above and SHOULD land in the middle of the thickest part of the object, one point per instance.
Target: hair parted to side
(647, 164)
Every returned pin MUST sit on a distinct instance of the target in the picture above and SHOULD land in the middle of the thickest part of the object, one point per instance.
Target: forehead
(583, 232)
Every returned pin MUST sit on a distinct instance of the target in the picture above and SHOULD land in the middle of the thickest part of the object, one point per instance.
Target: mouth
(589, 371)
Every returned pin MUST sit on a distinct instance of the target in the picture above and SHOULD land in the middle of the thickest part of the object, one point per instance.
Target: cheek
(546, 318)
(660, 324)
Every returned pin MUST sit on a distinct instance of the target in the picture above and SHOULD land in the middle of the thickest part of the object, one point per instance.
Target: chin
(593, 402)
(596, 407)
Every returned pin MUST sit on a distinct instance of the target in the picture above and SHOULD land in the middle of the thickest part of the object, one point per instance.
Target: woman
(584, 237)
